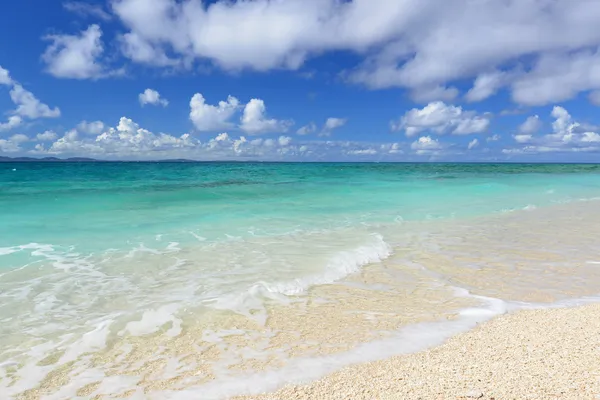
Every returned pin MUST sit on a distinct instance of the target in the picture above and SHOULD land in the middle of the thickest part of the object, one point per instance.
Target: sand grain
(532, 354)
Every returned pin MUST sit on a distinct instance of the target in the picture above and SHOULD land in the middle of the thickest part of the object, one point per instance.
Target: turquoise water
(96, 206)
(93, 253)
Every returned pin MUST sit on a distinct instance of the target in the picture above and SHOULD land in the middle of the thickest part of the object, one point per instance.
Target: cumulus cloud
(255, 121)
(27, 105)
(12, 122)
(76, 56)
(19, 138)
(86, 10)
(426, 145)
(531, 125)
(5, 78)
(129, 140)
(206, 117)
(8, 146)
(13, 143)
(493, 138)
(46, 136)
(151, 96)
(420, 45)
(91, 128)
(441, 118)
(567, 136)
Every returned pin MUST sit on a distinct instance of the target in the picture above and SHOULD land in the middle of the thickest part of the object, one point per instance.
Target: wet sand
(531, 354)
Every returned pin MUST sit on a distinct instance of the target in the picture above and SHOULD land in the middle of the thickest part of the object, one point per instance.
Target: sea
(150, 280)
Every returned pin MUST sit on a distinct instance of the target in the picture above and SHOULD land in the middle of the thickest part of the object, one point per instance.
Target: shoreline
(550, 353)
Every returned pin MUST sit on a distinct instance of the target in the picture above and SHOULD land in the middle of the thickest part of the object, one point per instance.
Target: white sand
(533, 354)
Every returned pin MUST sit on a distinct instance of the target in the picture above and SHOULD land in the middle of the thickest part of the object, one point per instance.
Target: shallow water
(154, 280)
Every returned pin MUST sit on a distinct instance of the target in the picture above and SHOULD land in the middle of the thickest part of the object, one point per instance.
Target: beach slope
(531, 354)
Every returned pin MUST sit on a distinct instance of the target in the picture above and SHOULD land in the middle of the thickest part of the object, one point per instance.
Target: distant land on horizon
(82, 159)
(5, 159)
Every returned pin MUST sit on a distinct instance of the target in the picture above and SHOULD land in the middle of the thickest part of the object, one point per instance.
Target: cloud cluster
(254, 119)
(426, 146)
(27, 105)
(542, 51)
(441, 118)
(567, 136)
(87, 10)
(127, 140)
(331, 124)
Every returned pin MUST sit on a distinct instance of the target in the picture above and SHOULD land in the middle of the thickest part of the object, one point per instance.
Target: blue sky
(387, 80)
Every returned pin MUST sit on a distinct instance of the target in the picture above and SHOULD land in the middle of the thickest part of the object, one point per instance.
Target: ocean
(207, 280)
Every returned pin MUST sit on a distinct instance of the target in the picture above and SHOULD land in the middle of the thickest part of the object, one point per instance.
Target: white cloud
(362, 152)
(5, 78)
(91, 128)
(557, 77)
(19, 138)
(523, 138)
(13, 143)
(138, 49)
(307, 129)
(86, 9)
(13, 122)
(284, 140)
(76, 56)
(415, 44)
(29, 106)
(332, 124)
(151, 96)
(493, 138)
(46, 136)
(485, 85)
(254, 120)
(441, 118)
(472, 144)
(426, 145)
(8, 146)
(567, 136)
(531, 125)
(206, 117)
(127, 140)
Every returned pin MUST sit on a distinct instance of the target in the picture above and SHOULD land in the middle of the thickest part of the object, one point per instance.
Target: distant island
(81, 159)
(46, 159)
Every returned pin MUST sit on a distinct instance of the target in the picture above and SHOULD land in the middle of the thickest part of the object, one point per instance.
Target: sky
(301, 80)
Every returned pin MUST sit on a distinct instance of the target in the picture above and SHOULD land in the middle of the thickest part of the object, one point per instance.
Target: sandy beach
(531, 354)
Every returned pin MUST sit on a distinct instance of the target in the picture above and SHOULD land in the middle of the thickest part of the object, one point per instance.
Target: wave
(338, 266)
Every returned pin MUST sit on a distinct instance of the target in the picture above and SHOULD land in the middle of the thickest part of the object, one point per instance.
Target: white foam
(408, 340)
(153, 320)
(251, 302)
(90, 342)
